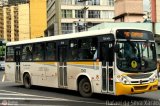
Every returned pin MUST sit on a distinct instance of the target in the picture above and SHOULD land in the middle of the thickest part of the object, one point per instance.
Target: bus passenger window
(10, 54)
(73, 55)
(27, 53)
(38, 53)
(88, 48)
(50, 51)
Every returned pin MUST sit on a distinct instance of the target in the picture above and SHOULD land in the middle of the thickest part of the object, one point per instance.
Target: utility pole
(84, 9)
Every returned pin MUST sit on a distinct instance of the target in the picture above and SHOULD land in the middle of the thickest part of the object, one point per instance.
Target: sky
(146, 5)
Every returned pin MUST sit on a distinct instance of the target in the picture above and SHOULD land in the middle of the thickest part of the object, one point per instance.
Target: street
(15, 94)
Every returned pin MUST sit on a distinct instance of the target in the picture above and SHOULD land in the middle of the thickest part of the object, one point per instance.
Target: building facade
(14, 22)
(23, 21)
(158, 10)
(68, 16)
(3, 2)
(12, 2)
(129, 11)
(1, 23)
(155, 10)
(38, 18)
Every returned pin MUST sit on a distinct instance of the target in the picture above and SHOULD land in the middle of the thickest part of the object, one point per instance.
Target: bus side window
(10, 54)
(88, 48)
(50, 53)
(27, 53)
(38, 53)
(73, 55)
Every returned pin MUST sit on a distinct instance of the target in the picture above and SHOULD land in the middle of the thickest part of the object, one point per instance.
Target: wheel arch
(26, 72)
(80, 77)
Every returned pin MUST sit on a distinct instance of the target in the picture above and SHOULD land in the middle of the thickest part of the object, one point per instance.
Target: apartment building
(14, 22)
(65, 16)
(129, 11)
(38, 17)
(23, 21)
(158, 10)
(1, 24)
(12, 2)
(3, 2)
(155, 10)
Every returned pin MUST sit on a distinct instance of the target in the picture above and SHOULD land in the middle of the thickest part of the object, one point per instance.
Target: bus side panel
(10, 71)
(42, 73)
(51, 74)
(88, 69)
(28, 67)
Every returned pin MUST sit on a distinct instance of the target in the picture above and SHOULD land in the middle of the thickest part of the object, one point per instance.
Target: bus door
(107, 57)
(17, 60)
(62, 66)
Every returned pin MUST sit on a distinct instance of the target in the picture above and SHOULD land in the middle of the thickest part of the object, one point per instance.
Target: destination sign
(134, 34)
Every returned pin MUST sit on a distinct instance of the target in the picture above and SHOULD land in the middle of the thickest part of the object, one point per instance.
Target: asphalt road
(15, 94)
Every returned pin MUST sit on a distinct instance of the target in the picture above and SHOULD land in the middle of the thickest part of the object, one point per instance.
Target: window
(87, 48)
(78, 3)
(79, 14)
(83, 49)
(27, 53)
(66, 13)
(65, 2)
(73, 55)
(10, 54)
(94, 2)
(38, 54)
(50, 51)
(93, 14)
(108, 14)
(110, 2)
(67, 28)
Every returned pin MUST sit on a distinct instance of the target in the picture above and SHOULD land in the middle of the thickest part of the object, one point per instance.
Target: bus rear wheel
(27, 81)
(84, 87)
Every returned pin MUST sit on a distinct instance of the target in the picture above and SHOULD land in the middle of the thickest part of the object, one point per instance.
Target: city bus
(117, 61)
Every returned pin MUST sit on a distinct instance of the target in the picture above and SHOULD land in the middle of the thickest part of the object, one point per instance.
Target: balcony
(16, 21)
(16, 30)
(15, 9)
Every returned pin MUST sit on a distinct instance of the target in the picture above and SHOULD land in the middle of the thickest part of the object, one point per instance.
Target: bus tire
(84, 87)
(27, 81)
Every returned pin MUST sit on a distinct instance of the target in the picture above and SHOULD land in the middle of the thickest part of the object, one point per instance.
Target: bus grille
(139, 76)
(140, 87)
(138, 82)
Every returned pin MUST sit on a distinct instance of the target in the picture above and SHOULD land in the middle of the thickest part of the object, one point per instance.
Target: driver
(130, 51)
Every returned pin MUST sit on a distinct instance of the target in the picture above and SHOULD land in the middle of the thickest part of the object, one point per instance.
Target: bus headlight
(153, 78)
(123, 79)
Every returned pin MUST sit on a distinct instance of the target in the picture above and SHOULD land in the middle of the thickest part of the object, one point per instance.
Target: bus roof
(68, 36)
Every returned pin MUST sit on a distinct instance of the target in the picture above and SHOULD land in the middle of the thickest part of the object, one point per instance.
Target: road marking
(32, 99)
(3, 78)
(38, 97)
(23, 94)
(79, 101)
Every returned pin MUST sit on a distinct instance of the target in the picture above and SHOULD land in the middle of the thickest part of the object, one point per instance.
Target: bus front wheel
(27, 81)
(85, 87)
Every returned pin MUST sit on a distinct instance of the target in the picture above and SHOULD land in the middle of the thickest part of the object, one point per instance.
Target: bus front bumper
(123, 89)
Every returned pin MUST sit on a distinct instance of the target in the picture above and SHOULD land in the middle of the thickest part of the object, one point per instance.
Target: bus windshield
(136, 56)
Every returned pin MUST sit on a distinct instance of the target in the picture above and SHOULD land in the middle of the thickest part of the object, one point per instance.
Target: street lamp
(84, 9)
